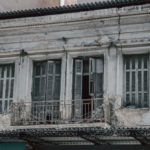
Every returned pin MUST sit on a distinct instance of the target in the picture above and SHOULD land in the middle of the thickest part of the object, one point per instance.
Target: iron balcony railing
(57, 112)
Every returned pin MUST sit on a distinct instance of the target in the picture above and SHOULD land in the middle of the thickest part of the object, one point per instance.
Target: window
(136, 86)
(88, 78)
(46, 80)
(46, 91)
(6, 86)
(88, 86)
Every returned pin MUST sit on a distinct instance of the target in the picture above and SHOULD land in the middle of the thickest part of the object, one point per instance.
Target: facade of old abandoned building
(78, 69)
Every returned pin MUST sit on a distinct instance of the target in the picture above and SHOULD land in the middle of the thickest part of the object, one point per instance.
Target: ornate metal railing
(57, 112)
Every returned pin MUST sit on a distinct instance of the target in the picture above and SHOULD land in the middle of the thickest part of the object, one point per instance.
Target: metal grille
(57, 112)
(136, 81)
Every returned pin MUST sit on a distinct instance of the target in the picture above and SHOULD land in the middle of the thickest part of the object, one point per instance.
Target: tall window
(136, 87)
(88, 78)
(6, 86)
(88, 86)
(46, 80)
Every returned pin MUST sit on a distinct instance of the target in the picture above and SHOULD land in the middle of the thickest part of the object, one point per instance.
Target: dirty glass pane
(145, 62)
(139, 63)
(7, 88)
(145, 100)
(43, 68)
(37, 87)
(133, 99)
(3, 69)
(57, 88)
(133, 81)
(50, 68)
(127, 81)
(145, 81)
(1, 88)
(11, 88)
(37, 69)
(13, 71)
(127, 63)
(6, 106)
(8, 71)
(133, 63)
(140, 100)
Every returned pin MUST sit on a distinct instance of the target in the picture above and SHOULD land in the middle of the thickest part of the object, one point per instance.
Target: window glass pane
(37, 86)
(139, 63)
(1, 88)
(127, 63)
(133, 99)
(127, 81)
(7, 88)
(13, 70)
(10, 102)
(42, 90)
(8, 71)
(5, 105)
(145, 62)
(11, 88)
(50, 71)
(145, 100)
(133, 63)
(43, 67)
(133, 81)
(58, 68)
(140, 100)
(145, 81)
(3, 68)
(139, 81)
(37, 72)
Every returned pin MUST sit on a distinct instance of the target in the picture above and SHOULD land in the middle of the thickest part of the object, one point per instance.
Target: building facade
(78, 69)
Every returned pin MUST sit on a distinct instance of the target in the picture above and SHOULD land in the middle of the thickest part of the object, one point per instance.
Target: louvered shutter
(92, 76)
(96, 68)
(6, 86)
(136, 81)
(56, 93)
(50, 82)
(78, 79)
(99, 78)
(39, 81)
(78, 88)
(53, 80)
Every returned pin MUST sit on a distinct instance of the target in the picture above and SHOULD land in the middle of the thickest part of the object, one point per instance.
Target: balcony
(57, 112)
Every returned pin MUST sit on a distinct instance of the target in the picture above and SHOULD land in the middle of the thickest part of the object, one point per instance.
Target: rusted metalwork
(57, 112)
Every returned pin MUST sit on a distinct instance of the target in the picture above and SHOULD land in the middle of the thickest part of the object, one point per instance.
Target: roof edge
(71, 8)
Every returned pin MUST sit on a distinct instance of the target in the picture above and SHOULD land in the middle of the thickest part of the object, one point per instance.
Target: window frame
(136, 80)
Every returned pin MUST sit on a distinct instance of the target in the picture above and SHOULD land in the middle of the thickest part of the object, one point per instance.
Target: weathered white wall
(112, 33)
